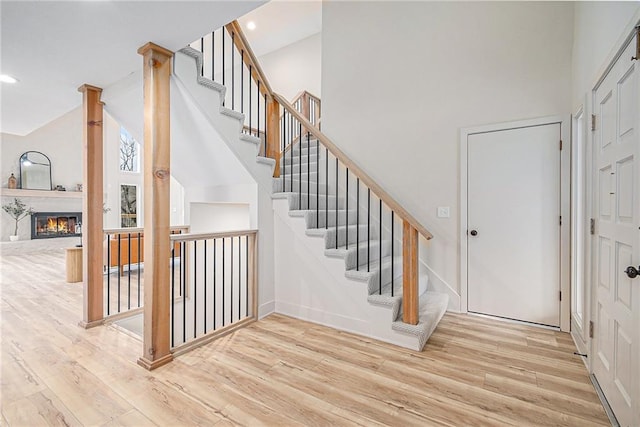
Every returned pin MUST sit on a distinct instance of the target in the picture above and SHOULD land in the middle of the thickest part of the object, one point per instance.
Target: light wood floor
(278, 371)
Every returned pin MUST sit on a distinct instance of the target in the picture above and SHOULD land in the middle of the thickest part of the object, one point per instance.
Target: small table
(74, 265)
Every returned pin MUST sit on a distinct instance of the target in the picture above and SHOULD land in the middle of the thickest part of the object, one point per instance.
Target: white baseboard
(322, 317)
(266, 309)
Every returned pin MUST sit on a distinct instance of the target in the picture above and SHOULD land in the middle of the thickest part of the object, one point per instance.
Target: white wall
(295, 67)
(597, 28)
(60, 140)
(397, 90)
(242, 194)
(219, 217)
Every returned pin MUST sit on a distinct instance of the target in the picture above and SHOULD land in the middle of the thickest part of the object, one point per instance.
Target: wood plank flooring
(277, 372)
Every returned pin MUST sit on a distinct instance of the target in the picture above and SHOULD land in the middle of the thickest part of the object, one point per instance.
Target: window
(129, 152)
(128, 206)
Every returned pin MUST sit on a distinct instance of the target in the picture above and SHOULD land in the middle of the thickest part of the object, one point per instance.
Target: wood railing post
(273, 134)
(157, 248)
(92, 237)
(409, 274)
(306, 108)
(253, 273)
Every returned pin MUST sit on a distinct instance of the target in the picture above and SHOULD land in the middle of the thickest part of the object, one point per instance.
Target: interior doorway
(514, 242)
(615, 310)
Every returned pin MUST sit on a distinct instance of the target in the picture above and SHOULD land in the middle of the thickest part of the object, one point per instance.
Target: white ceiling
(282, 22)
(53, 47)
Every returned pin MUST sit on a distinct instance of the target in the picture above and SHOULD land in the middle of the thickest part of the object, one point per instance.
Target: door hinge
(560, 219)
(593, 122)
(592, 226)
(560, 145)
(560, 295)
(591, 329)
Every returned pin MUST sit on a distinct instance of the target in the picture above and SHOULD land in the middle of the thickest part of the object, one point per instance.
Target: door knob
(474, 232)
(632, 272)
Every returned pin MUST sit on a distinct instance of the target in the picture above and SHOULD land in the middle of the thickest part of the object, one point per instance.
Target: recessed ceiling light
(4, 78)
(251, 25)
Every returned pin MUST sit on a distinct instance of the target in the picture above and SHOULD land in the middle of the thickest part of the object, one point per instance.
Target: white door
(616, 310)
(513, 214)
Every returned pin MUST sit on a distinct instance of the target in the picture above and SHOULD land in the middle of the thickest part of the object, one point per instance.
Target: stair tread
(433, 305)
(362, 274)
(343, 250)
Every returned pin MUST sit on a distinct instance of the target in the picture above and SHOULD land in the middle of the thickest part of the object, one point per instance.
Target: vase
(13, 238)
(12, 182)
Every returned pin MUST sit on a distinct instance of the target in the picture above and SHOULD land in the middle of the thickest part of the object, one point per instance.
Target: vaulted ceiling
(53, 47)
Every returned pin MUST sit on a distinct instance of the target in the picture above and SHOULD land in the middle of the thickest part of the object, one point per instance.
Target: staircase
(339, 251)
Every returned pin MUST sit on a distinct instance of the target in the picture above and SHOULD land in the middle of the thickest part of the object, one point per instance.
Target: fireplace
(45, 225)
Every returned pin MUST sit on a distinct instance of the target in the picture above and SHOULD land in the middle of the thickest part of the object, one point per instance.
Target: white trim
(617, 50)
(565, 206)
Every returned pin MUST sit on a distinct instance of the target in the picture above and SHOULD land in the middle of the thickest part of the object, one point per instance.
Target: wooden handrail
(368, 181)
(203, 236)
(249, 58)
(139, 229)
(306, 97)
(302, 94)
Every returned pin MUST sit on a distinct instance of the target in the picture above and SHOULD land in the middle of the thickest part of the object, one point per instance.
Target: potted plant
(18, 211)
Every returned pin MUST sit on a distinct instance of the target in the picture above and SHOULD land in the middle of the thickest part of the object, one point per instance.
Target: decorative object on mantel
(78, 187)
(35, 171)
(60, 188)
(18, 211)
(12, 183)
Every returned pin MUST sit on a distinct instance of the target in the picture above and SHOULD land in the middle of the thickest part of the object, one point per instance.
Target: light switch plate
(443, 212)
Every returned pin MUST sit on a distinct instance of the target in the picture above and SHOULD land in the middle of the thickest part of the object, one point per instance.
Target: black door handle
(632, 272)
(474, 232)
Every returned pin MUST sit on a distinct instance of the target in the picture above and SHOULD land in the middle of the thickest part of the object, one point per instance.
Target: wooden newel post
(273, 134)
(157, 176)
(92, 235)
(306, 107)
(409, 274)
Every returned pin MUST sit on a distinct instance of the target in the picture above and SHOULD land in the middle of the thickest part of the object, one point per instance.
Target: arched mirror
(35, 171)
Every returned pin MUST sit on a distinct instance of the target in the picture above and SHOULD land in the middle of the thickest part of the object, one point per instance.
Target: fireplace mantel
(39, 201)
(8, 192)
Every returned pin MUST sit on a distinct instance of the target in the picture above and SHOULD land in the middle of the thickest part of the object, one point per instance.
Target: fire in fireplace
(55, 224)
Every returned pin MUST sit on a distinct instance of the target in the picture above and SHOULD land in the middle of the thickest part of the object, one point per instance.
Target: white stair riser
(302, 202)
(351, 260)
(342, 235)
(293, 186)
(374, 281)
(296, 168)
(318, 219)
(296, 159)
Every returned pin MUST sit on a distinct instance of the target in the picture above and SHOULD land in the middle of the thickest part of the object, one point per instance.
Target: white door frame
(565, 206)
(581, 164)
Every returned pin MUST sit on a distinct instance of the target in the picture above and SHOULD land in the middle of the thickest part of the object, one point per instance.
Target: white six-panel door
(616, 305)
(513, 213)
